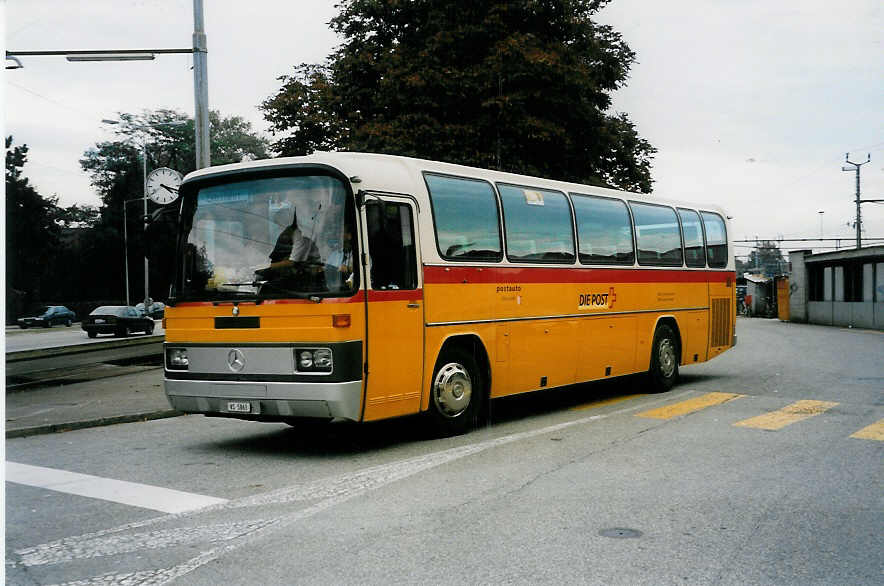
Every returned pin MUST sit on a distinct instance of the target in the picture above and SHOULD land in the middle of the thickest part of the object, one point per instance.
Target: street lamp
(110, 56)
(200, 74)
(144, 198)
(821, 212)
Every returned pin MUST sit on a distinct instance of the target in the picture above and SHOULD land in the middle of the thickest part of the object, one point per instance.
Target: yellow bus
(364, 286)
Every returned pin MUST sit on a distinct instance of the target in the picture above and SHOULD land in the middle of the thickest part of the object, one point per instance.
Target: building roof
(869, 252)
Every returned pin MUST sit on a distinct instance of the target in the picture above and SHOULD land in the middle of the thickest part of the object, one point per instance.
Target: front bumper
(269, 401)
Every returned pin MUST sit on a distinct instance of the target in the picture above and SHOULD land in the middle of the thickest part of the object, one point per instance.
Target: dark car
(156, 309)
(47, 317)
(120, 320)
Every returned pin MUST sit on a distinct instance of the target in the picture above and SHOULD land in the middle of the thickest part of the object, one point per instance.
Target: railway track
(65, 364)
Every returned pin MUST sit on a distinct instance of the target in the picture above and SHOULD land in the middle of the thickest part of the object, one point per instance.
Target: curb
(83, 348)
(73, 425)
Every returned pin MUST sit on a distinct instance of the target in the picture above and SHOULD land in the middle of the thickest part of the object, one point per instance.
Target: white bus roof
(392, 173)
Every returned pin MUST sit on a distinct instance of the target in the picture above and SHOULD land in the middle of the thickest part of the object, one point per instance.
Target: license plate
(239, 406)
(99, 321)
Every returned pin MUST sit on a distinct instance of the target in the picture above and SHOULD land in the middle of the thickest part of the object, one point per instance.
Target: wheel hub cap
(666, 356)
(452, 390)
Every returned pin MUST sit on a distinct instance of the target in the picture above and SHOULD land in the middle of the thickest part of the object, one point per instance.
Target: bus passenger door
(395, 308)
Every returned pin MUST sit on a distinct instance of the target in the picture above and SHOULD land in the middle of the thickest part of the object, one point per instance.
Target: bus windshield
(268, 238)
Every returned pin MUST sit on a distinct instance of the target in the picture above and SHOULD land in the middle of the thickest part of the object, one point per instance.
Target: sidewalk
(117, 399)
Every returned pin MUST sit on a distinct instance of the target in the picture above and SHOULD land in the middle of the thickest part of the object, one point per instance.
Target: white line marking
(329, 492)
(121, 544)
(118, 491)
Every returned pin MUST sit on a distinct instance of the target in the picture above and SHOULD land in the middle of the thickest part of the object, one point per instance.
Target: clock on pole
(163, 184)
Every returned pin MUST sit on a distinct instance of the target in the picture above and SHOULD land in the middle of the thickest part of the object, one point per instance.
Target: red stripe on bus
(472, 274)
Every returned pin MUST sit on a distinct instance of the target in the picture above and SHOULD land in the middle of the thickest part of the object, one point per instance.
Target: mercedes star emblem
(236, 361)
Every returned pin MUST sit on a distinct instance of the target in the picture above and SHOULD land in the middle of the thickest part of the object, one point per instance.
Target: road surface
(763, 466)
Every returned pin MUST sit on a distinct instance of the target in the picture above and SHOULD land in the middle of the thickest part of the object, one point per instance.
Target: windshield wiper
(252, 284)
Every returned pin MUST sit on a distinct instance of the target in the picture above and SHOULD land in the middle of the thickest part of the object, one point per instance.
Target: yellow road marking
(689, 406)
(873, 432)
(787, 415)
(604, 402)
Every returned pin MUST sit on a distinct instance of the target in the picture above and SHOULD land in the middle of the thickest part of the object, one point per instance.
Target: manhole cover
(621, 533)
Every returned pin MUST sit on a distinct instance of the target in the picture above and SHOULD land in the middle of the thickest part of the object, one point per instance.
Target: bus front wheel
(456, 393)
(664, 359)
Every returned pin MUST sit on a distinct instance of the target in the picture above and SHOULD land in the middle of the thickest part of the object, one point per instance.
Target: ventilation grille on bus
(721, 323)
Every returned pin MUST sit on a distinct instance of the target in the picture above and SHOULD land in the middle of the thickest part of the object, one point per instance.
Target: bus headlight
(314, 360)
(322, 359)
(176, 359)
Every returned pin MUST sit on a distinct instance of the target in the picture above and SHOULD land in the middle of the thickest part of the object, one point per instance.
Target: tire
(91, 333)
(123, 332)
(149, 330)
(665, 353)
(47, 323)
(457, 393)
(68, 323)
(23, 326)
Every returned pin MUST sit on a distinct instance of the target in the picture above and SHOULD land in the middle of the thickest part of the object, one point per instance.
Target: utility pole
(200, 88)
(856, 168)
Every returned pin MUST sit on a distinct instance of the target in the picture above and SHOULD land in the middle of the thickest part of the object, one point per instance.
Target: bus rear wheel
(456, 393)
(664, 359)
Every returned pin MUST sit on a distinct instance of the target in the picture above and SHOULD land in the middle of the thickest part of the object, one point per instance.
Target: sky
(752, 105)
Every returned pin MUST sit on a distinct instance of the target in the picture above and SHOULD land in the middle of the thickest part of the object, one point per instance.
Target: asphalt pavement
(106, 396)
(761, 467)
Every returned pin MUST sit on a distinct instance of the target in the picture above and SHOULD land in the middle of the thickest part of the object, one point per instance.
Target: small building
(759, 295)
(842, 288)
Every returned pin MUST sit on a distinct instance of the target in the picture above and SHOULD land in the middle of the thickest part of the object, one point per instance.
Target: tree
(116, 170)
(31, 233)
(518, 86)
(767, 257)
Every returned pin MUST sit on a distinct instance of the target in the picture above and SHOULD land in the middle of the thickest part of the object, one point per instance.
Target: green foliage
(31, 234)
(519, 86)
(767, 257)
(77, 216)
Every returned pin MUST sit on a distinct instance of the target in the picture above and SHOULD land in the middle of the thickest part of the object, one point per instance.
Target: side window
(604, 231)
(391, 246)
(657, 234)
(466, 218)
(538, 224)
(694, 251)
(716, 240)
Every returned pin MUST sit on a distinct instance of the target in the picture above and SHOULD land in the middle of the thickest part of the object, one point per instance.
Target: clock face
(162, 185)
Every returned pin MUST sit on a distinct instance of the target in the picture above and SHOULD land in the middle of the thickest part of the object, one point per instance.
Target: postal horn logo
(236, 361)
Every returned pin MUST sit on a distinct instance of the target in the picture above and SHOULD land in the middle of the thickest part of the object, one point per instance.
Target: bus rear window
(466, 218)
(693, 238)
(716, 240)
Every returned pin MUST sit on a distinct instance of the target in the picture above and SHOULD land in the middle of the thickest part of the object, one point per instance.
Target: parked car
(48, 317)
(156, 309)
(120, 320)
